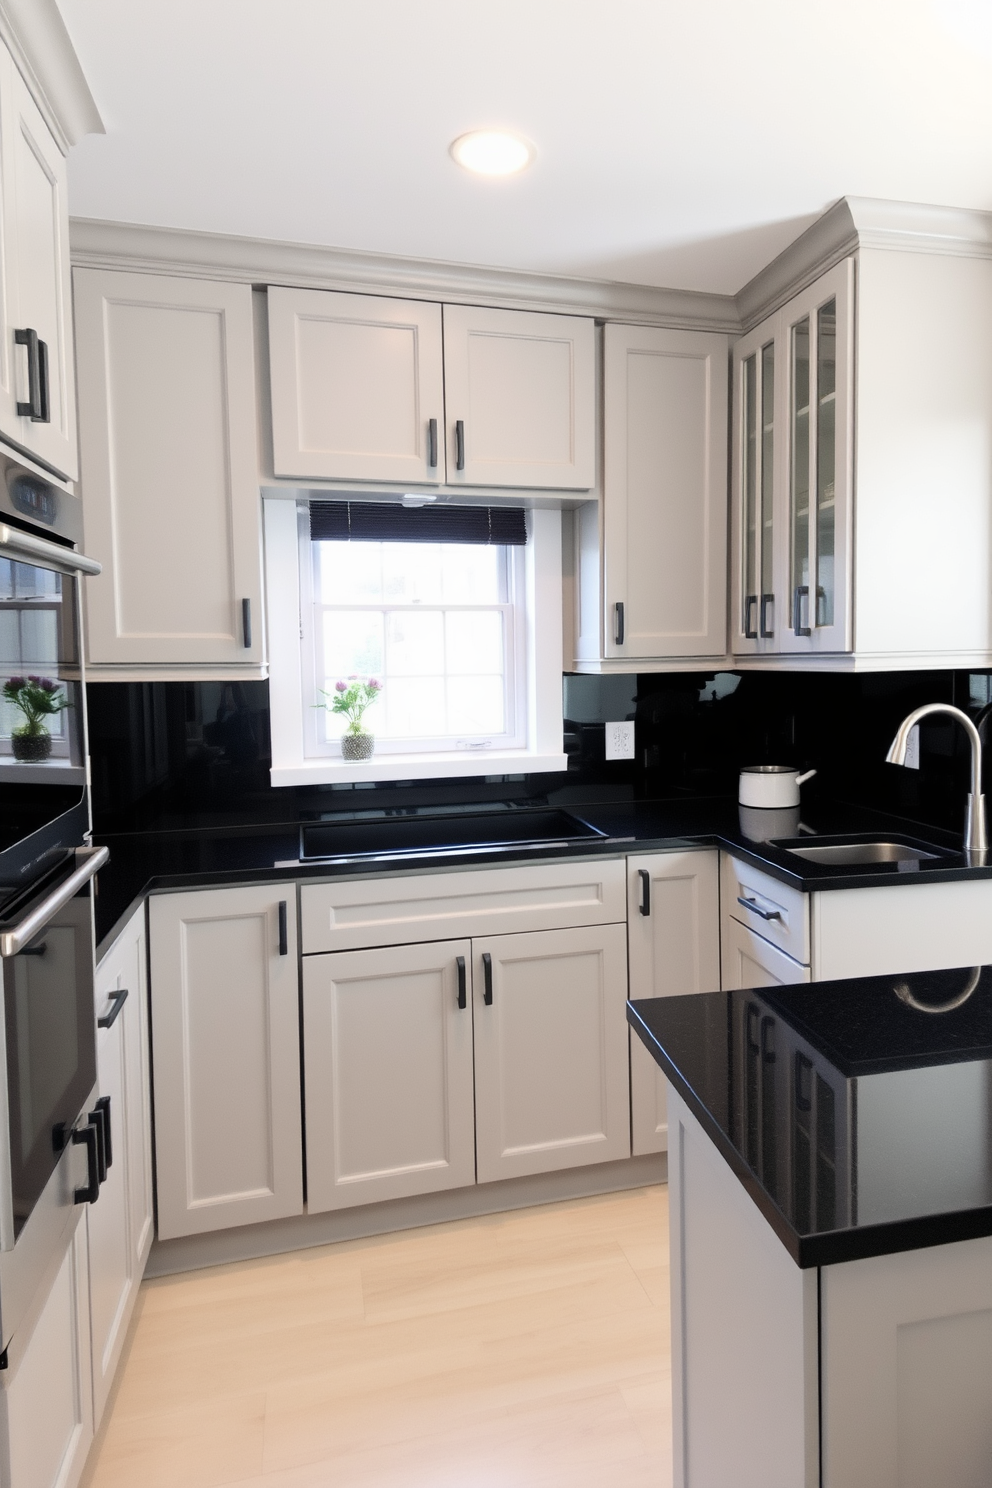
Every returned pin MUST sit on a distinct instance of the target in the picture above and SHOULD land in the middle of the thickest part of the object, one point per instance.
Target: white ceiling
(680, 142)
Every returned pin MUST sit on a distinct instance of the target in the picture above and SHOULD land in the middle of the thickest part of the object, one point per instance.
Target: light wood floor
(523, 1350)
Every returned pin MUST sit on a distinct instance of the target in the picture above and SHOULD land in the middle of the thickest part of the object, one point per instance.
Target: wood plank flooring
(522, 1350)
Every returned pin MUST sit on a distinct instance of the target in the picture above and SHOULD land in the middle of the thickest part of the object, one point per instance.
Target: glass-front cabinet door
(793, 396)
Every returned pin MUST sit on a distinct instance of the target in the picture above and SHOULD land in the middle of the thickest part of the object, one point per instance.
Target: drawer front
(775, 911)
(749, 961)
(342, 916)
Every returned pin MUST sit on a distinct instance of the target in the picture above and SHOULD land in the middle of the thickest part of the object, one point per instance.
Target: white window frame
(514, 662)
(539, 639)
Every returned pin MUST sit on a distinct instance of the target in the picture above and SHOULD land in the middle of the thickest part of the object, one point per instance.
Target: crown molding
(260, 261)
(862, 222)
(36, 36)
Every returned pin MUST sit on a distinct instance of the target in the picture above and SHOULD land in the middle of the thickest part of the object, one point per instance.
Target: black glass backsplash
(181, 755)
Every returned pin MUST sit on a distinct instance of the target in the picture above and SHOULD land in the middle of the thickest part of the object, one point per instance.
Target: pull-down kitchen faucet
(975, 833)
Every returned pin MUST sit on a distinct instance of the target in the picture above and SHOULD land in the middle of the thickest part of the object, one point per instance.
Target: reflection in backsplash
(180, 754)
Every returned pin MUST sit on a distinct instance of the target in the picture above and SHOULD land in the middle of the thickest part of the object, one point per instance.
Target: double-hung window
(440, 606)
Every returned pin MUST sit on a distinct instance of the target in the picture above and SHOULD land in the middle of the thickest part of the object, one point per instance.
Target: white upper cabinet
(357, 387)
(519, 398)
(363, 389)
(37, 398)
(171, 504)
(651, 565)
(793, 474)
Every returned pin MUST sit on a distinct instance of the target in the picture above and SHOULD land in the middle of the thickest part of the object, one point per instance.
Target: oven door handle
(12, 942)
(25, 547)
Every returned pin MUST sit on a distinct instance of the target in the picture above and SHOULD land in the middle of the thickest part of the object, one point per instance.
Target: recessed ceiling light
(492, 152)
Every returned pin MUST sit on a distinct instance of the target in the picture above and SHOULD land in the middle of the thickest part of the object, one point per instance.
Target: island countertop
(857, 1114)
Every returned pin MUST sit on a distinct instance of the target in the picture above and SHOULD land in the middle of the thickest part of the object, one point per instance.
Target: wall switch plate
(620, 741)
(913, 749)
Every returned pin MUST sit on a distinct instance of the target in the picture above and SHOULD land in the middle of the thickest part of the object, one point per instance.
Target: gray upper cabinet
(366, 388)
(357, 387)
(37, 396)
(651, 557)
(171, 503)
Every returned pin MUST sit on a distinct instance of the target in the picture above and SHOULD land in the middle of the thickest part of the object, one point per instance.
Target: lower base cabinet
(388, 1073)
(46, 1394)
(226, 1043)
(751, 961)
(120, 1224)
(429, 1066)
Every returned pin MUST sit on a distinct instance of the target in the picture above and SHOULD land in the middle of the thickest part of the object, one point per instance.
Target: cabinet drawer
(777, 912)
(441, 906)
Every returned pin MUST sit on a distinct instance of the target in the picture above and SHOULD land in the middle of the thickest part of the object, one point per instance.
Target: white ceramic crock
(771, 787)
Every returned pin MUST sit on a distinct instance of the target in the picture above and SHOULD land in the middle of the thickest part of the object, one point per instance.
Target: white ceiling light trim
(492, 152)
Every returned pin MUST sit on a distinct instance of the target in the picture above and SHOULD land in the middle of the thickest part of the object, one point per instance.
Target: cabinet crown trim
(261, 261)
(862, 222)
(39, 42)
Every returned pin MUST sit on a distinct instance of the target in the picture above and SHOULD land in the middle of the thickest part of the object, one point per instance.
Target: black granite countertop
(857, 1114)
(144, 862)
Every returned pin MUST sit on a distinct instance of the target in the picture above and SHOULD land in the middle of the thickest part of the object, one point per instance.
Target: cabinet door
(551, 1062)
(47, 1403)
(36, 233)
(171, 504)
(388, 1073)
(749, 961)
(673, 947)
(357, 387)
(817, 423)
(759, 605)
(226, 1059)
(665, 493)
(519, 398)
(120, 1223)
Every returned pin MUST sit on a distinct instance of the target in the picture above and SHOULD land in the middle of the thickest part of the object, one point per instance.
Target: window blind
(387, 521)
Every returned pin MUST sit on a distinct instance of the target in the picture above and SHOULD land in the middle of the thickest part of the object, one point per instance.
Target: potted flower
(37, 698)
(352, 698)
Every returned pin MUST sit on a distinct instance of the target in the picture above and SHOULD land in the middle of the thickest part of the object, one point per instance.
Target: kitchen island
(830, 1165)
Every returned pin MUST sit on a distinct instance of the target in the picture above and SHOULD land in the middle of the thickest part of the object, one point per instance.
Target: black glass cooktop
(858, 1114)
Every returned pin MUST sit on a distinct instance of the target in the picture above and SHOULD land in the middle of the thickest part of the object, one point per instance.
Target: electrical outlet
(620, 741)
(913, 749)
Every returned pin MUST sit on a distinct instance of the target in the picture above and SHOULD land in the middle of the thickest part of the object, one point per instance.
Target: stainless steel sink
(855, 854)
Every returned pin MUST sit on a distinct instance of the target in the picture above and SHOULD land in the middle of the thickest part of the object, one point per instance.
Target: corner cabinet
(370, 388)
(793, 470)
(171, 504)
(673, 948)
(651, 558)
(121, 1223)
(225, 1019)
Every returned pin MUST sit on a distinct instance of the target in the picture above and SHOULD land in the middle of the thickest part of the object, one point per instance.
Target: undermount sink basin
(853, 854)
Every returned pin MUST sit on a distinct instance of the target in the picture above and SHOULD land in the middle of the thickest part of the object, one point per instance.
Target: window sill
(417, 767)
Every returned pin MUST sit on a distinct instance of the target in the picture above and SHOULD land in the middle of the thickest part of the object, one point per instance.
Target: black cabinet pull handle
(103, 1104)
(34, 408)
(117, 1001)
(755, 908)
(802, 593)
(283, 927)
(44, 416)
(767, 628)
(459, 444)
(246, 623)
(462, 982)
(97, 1119)
(750, 611)
(645, 904)
(34, 950)
(432, 444)
(88, 1195)
(487, 974)
(618, 630)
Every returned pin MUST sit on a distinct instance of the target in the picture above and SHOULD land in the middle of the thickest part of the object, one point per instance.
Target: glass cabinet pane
(767, 467)
(799, 472)
(826, 457)
(750, 482)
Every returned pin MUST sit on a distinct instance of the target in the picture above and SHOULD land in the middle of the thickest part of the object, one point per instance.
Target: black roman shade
(387, 521)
